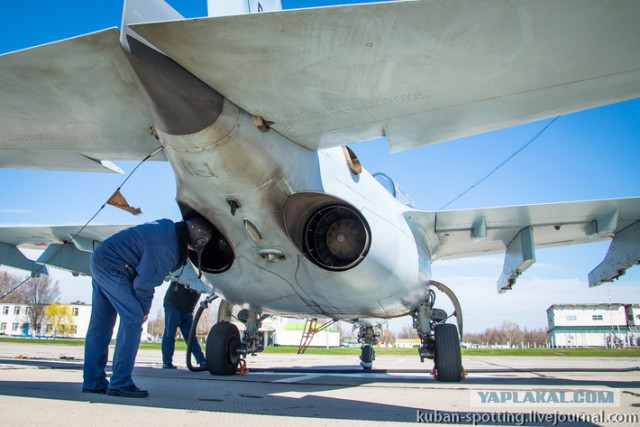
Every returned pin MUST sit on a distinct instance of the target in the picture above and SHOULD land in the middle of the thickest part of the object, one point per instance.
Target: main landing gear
(223, 349)
(439, 340)
(226, 348)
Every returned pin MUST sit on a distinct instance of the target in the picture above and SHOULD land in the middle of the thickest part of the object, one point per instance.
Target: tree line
(40, 295)
(508, 333)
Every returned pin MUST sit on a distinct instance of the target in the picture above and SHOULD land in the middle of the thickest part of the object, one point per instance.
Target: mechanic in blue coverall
(179, 302)
(125, 270)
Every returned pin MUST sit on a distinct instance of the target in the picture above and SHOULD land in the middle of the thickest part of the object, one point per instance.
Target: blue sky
(588, 155)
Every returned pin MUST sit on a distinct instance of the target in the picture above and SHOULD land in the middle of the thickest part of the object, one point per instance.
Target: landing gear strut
(368, 336)
(439, 340)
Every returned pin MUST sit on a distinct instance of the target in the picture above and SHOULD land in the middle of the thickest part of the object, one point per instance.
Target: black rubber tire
(221, 353)
(448, 358)
(367, 355)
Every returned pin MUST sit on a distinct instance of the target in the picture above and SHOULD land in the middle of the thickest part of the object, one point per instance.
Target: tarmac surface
(40, 385)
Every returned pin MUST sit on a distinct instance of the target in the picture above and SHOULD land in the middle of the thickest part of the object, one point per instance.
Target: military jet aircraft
(302, 229)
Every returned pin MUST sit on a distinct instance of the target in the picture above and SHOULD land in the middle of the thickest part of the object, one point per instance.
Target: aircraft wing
(65, 247)
(417, 72)
(72, 105)
(517, 231)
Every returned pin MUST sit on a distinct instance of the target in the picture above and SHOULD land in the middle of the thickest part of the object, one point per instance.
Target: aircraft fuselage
(262, 192)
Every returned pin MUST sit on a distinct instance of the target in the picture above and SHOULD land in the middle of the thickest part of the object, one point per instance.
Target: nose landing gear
(368, 336)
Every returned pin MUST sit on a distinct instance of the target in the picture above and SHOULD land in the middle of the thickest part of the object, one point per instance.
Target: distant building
(288, 332)
(594, 325)
(15, 321)
(285, 331)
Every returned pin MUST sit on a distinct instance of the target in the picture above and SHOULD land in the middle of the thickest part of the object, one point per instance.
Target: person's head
(200, 233)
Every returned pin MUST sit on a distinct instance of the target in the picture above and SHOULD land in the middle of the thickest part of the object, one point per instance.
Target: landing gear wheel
(222, 349)
(367, 356)
(448, 360)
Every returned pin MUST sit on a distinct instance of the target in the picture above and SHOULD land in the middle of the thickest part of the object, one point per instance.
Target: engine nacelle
(328, 231)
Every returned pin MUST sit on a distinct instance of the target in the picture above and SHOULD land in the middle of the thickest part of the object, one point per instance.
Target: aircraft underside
(307, 241)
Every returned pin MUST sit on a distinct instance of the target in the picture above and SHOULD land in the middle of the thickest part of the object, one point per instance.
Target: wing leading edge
(417, 72)
(517, 231)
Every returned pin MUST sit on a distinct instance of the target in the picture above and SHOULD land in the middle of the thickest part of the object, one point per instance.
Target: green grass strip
(382, 351)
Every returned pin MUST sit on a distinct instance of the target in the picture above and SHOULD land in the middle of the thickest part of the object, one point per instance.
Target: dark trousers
(112, 295)
(175, 318)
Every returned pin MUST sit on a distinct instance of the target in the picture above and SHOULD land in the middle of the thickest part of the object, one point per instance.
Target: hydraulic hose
(192, 333)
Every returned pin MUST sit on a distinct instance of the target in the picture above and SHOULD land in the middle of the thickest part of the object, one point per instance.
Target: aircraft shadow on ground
(363, 377)
(259, 395)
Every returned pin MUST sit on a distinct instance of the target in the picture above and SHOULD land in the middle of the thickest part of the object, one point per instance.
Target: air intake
(336, 238)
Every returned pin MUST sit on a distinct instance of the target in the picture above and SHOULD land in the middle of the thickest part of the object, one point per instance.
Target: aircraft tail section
(239, 7)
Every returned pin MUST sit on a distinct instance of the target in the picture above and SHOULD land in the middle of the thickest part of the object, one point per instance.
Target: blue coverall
(178, 313)
(125, 269)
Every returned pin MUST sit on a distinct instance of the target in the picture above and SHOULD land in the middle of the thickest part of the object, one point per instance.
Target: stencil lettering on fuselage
(201, 169)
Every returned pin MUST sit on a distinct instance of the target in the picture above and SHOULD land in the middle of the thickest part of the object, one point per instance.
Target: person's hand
(145, 318)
